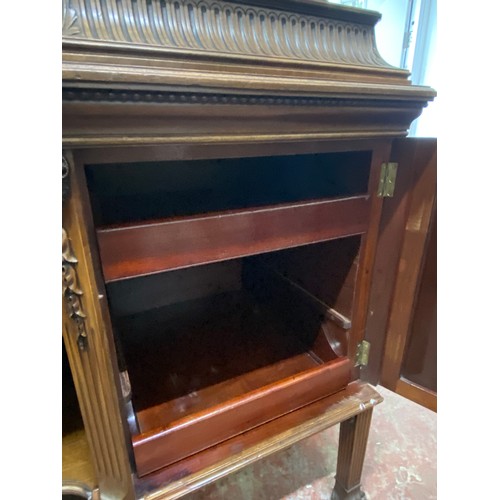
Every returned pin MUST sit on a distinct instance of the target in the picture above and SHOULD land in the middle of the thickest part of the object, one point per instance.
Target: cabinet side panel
(88, 340)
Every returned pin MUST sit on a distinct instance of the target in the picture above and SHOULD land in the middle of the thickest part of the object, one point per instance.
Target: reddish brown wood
(203, 399)
(156, 449)
(142, 86)
(417, 393)
(420, 359)
(417, 231)
(353, 438)
(134, 250)
(211, 388)
(206, 342)
(235, 453)
(390, 239)
(367, 252)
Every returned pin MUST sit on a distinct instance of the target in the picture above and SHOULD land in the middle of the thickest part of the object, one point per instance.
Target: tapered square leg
(352, 447)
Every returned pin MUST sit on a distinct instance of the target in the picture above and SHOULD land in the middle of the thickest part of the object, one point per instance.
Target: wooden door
(402, 322)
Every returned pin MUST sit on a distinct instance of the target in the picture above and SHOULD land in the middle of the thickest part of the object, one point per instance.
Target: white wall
(389, 31)
(424, 69)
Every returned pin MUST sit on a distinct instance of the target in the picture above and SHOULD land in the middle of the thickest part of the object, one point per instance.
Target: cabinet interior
(132, 192)
(241, 335)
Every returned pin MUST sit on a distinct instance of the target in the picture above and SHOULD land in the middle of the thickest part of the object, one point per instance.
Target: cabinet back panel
(141, 191)
(163, 289)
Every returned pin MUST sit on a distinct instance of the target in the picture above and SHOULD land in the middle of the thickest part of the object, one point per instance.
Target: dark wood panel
(420, 359)
(206, 342)
(161, 448)
(124, 192)
(390, 240)
(134, 250)
(327, 270)
(159, 290)
(416, 243)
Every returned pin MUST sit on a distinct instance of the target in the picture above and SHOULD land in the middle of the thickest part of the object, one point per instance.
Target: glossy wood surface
(385, 267)
(212, 389)
(205, 467)
(207, 397)
(416, 238)
(161, 81)
(157, 449)
(417, 393)
(367, 254)
(136, 250)
(207, 342)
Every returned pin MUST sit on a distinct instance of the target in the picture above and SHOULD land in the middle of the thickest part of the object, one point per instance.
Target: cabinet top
(299, 34)
(296, 52)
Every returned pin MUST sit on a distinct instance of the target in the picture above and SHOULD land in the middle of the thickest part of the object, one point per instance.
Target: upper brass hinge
(387, 181)
(362, 353)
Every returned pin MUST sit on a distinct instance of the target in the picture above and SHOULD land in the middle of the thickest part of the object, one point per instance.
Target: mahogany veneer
(220, 172)
(135, 250)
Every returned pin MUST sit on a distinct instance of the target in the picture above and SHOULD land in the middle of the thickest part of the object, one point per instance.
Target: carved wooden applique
(71, 292)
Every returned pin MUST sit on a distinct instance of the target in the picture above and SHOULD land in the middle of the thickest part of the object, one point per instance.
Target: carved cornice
(127, 96)
(295, 53)
(72, 294)
(213, 26)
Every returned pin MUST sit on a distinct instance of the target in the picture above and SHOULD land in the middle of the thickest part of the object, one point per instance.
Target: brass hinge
(362, 353)
(387, 181)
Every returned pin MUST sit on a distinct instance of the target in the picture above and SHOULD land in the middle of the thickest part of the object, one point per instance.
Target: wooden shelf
(131, 250)
(228, 371)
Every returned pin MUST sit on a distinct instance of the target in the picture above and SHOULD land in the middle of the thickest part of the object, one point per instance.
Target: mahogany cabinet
(409, 363)
(225, 166)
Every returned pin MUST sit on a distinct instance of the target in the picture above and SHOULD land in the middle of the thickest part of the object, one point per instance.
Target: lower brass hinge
(362, 353)
(387, 181)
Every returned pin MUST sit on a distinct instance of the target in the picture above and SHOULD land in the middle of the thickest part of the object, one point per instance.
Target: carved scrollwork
(72, 294)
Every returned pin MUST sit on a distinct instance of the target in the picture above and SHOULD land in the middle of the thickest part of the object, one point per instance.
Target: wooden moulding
(145, 248)
(134, 71)
(207, 466)
(275, 32)
(162, 447)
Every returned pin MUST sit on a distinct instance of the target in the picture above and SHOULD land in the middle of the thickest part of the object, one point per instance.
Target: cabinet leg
(352, 447)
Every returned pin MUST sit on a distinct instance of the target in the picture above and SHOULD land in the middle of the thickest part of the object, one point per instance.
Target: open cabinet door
(402, 319)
